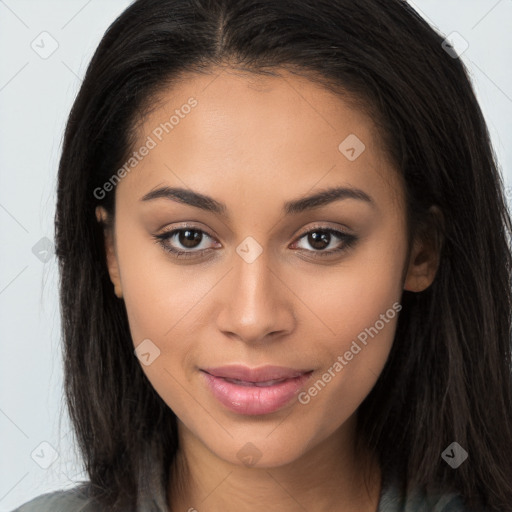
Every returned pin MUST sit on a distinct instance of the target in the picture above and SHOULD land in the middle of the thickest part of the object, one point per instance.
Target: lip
(255, 393)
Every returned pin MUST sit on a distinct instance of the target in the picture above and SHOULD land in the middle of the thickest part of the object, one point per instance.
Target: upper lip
(261, 374)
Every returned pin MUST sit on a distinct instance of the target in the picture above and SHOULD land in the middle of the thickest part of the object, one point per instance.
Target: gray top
(391, 500)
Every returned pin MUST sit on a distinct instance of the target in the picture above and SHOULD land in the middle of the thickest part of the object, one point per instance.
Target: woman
(285, 269)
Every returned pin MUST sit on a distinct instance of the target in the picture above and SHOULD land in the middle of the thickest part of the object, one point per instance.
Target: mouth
(254, 391)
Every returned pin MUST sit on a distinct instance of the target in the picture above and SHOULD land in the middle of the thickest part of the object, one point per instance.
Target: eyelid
(325, 227)
(319, 226)
(344, 234)
(346, 241)
(185, 225)
(171, 231)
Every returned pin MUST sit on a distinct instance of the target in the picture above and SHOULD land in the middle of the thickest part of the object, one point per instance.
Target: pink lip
(247, 397)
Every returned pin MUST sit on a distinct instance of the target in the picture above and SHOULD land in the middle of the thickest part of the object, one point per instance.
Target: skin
(254, 143)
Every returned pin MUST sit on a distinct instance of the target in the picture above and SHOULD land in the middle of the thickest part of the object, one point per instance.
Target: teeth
(258, 384)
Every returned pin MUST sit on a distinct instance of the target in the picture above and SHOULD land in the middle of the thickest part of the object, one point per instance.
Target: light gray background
(35, 97)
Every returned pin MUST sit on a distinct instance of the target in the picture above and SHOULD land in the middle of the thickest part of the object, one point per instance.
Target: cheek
(158, 294)
(362, 321)
(162, 309)
(358, 307)
(350, 297)
(165, 316)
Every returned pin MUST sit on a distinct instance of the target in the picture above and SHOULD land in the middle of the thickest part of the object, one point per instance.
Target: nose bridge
(253, 275)
(255, 306)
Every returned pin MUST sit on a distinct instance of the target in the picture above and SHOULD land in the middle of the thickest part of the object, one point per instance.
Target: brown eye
(189, 237)
(319, 239)
(184, 242)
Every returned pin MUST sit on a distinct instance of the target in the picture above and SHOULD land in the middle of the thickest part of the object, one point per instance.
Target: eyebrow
(321, 198)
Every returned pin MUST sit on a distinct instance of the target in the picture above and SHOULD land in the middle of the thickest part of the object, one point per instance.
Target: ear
(102, 217)
(425, 253)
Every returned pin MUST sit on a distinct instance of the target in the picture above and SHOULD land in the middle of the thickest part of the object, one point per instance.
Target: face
(240, 268)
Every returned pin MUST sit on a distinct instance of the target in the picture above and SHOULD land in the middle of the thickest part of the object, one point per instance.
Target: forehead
(280, 132)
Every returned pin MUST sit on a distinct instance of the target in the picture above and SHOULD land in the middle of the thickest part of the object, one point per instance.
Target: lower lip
(253, 400)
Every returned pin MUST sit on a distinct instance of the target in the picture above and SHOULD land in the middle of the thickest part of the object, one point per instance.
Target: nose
(258, 305)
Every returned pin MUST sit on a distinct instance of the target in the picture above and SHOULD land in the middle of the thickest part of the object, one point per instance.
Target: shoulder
(72, 500)
(393, 499)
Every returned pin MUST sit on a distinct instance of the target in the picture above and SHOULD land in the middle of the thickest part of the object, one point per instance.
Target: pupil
(188, 237)
(319, 241)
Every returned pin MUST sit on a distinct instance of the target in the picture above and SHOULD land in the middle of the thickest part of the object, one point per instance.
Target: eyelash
(347, 240)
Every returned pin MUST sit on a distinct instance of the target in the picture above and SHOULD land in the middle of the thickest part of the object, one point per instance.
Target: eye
(184, 242)
(321, 238)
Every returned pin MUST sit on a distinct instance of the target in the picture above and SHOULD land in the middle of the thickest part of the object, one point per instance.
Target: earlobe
(102, 217)
(425, 254)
